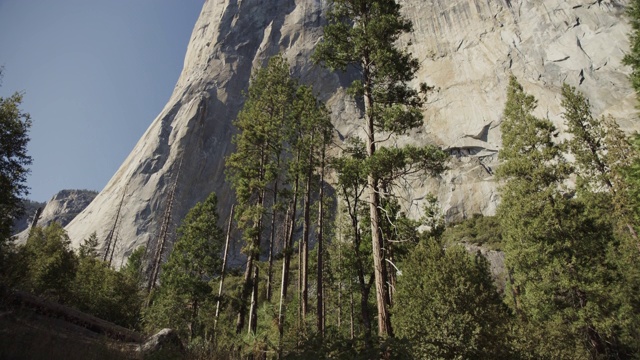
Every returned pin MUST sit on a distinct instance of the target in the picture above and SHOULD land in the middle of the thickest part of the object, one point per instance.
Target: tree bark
(271, 239)
(384, 320)
(319, 281)
(224, 267)
(304, 291)
(286, 263)
(254, 251)
(253, 312)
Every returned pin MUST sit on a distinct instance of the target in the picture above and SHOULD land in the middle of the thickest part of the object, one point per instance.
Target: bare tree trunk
(382, 299)
(306, 229)
(109, 241)
(320, 268)
(272, 238)
(299, 284)
(340, 288)
(224, 267)
(364, 288)
(253, 312)
(254, 252)
(286, 263)
(164, 232)
(246, 289)
(351, 313)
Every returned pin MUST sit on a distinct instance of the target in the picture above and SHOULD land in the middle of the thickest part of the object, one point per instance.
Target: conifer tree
(603, 156)
(448, 306)
(253, 167)
(555, 247)
(364, 35)
(184, 281)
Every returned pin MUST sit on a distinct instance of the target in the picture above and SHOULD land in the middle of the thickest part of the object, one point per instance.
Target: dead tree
(110, 241)
(164, 233)
(224, 266)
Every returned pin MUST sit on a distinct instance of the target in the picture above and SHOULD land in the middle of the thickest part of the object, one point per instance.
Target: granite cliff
(61, 208)
(467, 49)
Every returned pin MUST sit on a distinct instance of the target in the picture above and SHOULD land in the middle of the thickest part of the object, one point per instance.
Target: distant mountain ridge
(61, 208)
(24, 221)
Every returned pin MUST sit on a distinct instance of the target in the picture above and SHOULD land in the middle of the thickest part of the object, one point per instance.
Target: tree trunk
(306, 229)
(164, 233)
(286, 262)
(384, 320)
(319, 281)
(224, 266)
(271, 239)
(351, 313)
(246, 289)
(364, 289)
(253, 312)
(254, 251)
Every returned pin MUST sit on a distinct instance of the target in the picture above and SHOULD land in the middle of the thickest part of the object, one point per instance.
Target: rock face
(24, 221)
(164, 344)
(62, 208)
(467, 49)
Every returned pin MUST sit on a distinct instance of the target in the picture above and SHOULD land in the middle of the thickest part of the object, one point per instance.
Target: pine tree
(555, 247)
(448, 306)
(364, 35)
(184, 281)
(602, 156)
(253, 169)
(351, 183)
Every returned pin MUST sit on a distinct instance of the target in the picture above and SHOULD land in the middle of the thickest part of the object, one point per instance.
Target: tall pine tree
(254, 168)
(364, 35)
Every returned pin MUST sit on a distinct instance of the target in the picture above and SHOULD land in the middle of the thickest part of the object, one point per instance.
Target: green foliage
(50, 263)
(106, 293)
(266, 112)
(364, 34)
(50, 269)
(185, 280)
(14, 128)
(478, 229)
(448, 307)
(562, 279)
(89, 247)
(633, 57)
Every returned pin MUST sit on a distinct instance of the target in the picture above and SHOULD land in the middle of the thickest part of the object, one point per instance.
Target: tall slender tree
(364, 35)
(556, 242)
(253, 167)
(185, 280)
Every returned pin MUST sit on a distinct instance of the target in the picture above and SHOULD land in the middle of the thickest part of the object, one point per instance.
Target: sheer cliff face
(467, 49)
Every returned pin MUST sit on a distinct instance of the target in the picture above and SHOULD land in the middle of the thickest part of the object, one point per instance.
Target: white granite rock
(467, 49)
(62, 208)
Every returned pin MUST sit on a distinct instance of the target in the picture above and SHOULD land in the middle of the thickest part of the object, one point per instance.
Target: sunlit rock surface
(467, 49)
(62, 208)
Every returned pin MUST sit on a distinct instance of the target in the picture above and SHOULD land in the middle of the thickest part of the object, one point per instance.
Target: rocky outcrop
(165, 344)
(467, 49)
(23, 222)
(62, 208)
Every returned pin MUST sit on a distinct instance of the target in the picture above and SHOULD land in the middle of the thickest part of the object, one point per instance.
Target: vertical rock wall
(467, 49)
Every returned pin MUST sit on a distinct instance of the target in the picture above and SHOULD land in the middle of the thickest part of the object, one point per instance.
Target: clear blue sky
(95, 74)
